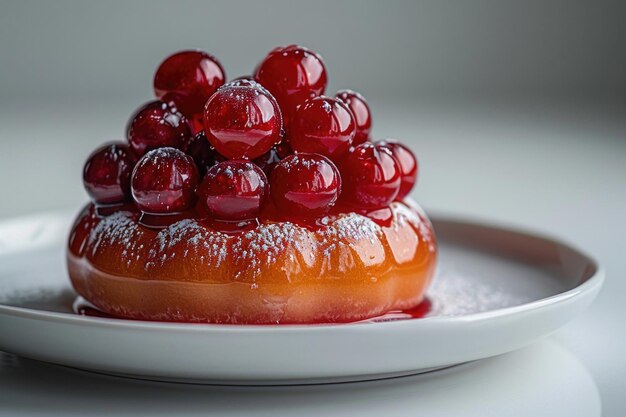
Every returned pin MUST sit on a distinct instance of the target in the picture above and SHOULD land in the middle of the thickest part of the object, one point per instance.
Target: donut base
(349, 270)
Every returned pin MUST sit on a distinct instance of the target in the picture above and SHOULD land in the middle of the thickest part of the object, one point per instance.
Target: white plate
(496, 290)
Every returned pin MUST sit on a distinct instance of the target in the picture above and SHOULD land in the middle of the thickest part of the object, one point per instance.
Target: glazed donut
(348, 268)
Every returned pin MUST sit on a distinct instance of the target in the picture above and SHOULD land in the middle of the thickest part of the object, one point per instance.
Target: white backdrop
(555, 48)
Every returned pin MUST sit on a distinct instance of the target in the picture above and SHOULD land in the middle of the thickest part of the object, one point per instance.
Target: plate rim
(588, 286)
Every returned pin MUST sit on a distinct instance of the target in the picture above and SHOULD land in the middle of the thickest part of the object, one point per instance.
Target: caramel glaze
(344, 267)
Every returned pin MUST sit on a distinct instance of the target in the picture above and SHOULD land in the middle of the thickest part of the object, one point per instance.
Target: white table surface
(557, 168)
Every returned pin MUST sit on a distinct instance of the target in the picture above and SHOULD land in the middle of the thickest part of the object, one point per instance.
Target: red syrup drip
(382, 216)
(84, 308)
(418, 312)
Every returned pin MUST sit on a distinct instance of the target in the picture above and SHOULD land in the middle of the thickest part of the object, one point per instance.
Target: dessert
(256, 201)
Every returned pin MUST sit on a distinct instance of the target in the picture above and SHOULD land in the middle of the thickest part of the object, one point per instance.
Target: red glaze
(292, 74)
(188, 78)
(371, 176)
(417, 312)
(85, 308)
(269, 159)
(242, 121)
(158, 221)
(109, 209)
(407, 162)
(157, 124)
(164, 181)
(361, 112)
(305, 185)
(203, 154)
(233, 191)
(106, 174)
(323, 125)
(86, 221)
(231, 227)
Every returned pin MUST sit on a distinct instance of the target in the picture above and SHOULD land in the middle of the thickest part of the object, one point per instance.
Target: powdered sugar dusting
(117, 230)
(188, 238)
(192, 250)
(261, 248)
(454, 293)
(335, 236)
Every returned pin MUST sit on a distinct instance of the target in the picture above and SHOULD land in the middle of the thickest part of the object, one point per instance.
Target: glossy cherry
(292, 74)
(305, 184)
(269, 159)
(188, 78)
(244, 80)
(196, 123)
(242, 121)
(233, 191)
(157, 124)
(407, 162)
(203, 154)
(371, 176)
(164, 181)
(322, 125)
(106, 174)
(361, 112)
(248, 81)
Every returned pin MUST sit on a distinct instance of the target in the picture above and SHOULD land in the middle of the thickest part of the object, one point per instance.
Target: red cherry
(242, 121)
(248, 81)
(106, 174)
(305, 184)
(269, 159)
(233, 190)
(203, 154)
(292, 74)
(157, 124)
(188, 78)
(361, 112)
(164, 181)
(196, 123)
(322, 125)
(244, 80)
(407, 162)
(371, 176)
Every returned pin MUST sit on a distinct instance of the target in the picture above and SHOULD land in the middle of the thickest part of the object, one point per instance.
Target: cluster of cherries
(219, 148)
